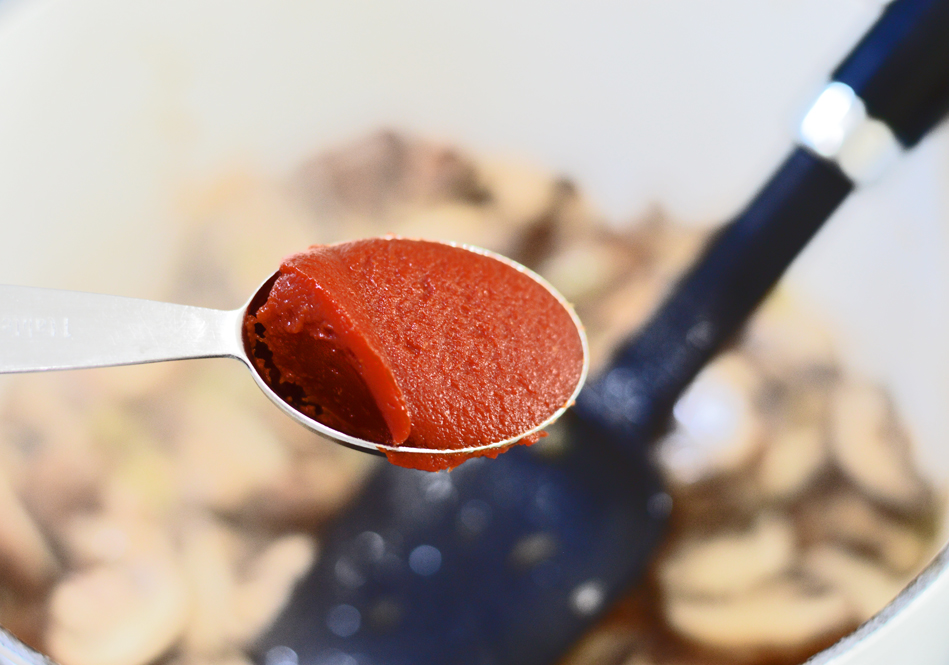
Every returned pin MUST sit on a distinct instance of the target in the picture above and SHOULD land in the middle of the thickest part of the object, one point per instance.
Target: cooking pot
(110, 112)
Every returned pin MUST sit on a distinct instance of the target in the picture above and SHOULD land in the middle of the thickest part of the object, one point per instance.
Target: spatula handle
(888, 92)
(900, 69)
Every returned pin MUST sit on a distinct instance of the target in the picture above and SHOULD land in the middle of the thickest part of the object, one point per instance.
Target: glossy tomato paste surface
(416, 344)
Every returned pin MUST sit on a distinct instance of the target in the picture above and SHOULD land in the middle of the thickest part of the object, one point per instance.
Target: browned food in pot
(165, 512)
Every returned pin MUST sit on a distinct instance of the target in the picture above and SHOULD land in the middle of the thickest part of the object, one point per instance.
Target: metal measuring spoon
(49, 329)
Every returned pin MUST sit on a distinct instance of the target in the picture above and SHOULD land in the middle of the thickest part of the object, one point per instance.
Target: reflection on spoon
(428, 352)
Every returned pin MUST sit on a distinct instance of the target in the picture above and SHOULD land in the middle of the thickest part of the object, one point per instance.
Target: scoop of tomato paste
(416, 344)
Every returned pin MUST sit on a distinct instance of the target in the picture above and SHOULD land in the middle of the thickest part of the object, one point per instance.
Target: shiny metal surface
(14, 652)
(837, 128)
(910, 629)
(50, 329)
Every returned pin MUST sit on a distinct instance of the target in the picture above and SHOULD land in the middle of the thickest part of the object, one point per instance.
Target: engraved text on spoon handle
(48, 329)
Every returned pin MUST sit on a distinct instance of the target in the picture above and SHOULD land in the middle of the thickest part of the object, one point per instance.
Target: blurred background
(135, 138)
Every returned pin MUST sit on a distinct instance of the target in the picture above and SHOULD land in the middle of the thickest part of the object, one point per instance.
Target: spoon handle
(48, 329)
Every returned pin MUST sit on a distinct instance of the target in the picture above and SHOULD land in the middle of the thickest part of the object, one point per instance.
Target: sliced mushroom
(868, 447)
(23, 615)
(672, 246)
(103, 539)
(63, 463)
(851, 520)
(317, 483)
(780, 615)
(266, 585)
(454, 221)
(221, 264)
(141, 483)
(867, 587)
(520, 192)
(730, 564)
(225, 454)
(208, 556)
(26, 559)
(126, 614)
(602, 646)
(126, 602)
(132, 382)
(233, 657)
(585, 268)
(792, 458)
(370, 174)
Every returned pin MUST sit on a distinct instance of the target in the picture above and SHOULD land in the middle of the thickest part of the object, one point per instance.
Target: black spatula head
(501, 562)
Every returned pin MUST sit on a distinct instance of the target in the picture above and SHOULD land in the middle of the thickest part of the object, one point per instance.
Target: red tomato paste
(416, 344)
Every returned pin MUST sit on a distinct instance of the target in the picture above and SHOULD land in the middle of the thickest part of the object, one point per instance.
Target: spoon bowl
(51, 329)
